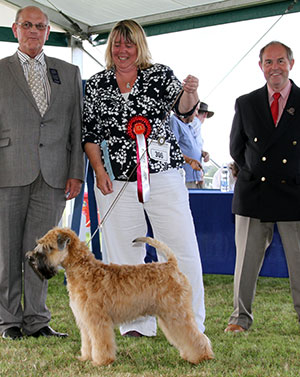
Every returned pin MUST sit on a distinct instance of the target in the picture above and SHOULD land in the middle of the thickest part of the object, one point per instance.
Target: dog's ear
(62, 241)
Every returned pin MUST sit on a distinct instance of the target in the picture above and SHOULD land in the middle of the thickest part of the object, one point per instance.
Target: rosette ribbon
(139, 129)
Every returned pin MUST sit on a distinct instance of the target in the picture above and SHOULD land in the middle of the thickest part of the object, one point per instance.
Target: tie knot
(276, 95)
(33, 62)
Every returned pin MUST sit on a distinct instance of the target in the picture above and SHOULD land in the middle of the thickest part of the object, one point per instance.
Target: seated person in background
(188, 134)
(233, 172)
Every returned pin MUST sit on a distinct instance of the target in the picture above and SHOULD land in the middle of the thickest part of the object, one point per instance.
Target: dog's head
(50, 252)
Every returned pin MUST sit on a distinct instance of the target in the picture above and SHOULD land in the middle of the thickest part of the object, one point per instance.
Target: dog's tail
(161, 247)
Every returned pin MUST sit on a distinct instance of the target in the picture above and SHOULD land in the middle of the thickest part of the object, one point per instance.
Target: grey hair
(289, 52)
(18, 14)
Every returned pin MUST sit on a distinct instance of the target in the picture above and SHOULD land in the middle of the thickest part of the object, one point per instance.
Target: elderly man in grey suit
(265, 142)
(41, 165)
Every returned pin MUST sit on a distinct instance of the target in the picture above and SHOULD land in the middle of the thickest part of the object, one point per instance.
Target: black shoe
(12, 333)
(134, 334)
(47, 331)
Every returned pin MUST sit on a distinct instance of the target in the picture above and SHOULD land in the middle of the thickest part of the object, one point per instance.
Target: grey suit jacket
(29, 143)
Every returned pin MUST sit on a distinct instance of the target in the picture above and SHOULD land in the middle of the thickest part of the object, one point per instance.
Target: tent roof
(96, 18)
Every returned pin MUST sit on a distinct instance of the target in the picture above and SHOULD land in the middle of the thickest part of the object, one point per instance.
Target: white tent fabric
(94, 17)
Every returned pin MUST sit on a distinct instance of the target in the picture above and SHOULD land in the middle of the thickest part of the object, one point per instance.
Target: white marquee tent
(91, 19)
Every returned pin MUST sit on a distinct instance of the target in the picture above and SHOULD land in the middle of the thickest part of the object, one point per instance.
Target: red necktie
(274, 107)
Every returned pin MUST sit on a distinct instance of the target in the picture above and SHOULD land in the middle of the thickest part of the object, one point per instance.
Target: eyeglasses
(28, 25)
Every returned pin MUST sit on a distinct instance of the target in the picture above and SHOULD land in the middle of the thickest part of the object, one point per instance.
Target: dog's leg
(183, 333)
(86, 346)
(103, 341)
(167, 330)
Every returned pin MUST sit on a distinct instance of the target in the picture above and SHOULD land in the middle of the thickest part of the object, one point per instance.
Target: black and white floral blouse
(106, 115)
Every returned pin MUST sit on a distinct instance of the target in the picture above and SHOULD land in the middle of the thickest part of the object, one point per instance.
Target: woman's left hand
(190, 84)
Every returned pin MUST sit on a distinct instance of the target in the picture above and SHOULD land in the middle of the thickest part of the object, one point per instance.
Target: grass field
(270, 349)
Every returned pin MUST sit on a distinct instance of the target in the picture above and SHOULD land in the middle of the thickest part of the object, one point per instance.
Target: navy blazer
(268, 184)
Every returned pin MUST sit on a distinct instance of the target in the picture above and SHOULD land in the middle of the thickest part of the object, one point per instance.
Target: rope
(255, 44)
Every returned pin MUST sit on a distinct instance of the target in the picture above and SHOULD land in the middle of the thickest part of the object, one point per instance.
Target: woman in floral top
(136, 159)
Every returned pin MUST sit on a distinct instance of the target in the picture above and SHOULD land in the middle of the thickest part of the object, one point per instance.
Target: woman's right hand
(104, 183)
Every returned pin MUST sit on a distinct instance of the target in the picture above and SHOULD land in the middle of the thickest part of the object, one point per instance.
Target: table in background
(214, 223)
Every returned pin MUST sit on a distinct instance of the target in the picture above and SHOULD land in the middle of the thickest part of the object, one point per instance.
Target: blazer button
(42, 125)
(263, 179)
(41, 145)
(284, 161)
(283, 181)
(264, 159)
(255, 140)
(294, 142)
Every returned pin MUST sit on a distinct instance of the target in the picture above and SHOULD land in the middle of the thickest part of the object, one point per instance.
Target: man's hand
(205, 156)
(73, 188)
(195, 164)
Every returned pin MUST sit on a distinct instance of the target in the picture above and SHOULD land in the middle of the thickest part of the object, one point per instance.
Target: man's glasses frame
(29, 25)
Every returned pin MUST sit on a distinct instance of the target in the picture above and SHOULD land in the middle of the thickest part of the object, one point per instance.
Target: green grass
(270, 349)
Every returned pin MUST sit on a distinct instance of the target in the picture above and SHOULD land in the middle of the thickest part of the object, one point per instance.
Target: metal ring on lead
(161, 140)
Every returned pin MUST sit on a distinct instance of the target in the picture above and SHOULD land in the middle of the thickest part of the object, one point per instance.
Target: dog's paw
(103, 362)
(84, 358)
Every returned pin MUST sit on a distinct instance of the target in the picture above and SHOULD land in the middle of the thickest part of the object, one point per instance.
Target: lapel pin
(55, 76)
(291, 111)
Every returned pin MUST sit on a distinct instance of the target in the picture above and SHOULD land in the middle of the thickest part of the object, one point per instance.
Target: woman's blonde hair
(131, 31)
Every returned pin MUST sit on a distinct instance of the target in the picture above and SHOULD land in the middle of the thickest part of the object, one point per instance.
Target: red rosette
(138, 125)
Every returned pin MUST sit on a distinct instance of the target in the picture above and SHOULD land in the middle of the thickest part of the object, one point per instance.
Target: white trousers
(172, 223)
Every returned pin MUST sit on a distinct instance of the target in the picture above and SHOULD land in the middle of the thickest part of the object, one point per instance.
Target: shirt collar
(24, 58)
(284, 92)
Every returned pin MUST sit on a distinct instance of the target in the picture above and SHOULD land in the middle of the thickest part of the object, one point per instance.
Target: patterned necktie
(36, 85)
(274, 107)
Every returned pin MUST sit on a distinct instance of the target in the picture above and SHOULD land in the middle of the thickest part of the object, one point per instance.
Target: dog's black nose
(30, 258)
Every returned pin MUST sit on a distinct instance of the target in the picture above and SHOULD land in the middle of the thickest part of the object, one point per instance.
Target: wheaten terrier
(103, 296)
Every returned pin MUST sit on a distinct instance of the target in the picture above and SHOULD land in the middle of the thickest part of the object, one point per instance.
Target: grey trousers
(252, 238)
(26, 214)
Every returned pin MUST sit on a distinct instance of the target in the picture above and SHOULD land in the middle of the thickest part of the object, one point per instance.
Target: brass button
(283, 181)
(294, 142)
(263, 179)
(284, 161)
(264, 158)
(255, 140)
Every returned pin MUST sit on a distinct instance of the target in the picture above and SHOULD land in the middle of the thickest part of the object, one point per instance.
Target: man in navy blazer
(267, 190)
(41, 163)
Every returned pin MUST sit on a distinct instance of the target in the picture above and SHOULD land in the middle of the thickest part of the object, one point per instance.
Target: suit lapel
(291, 108)
(287, 117)
(51, 65)
(263, 108)
(262, 120)
(19, 77)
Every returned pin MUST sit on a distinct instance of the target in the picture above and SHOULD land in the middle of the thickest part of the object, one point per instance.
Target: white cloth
(216, 181)
(171, 220)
